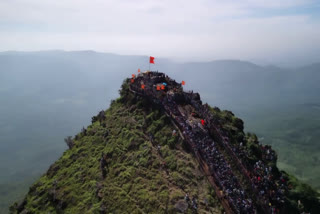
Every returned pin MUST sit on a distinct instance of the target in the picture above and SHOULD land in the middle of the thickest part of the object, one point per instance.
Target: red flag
(158, 87)
(139, 70)
(202, 122)
(142, 86)
(151, 59)
(133, 75)
(162, 87)
(183, 82)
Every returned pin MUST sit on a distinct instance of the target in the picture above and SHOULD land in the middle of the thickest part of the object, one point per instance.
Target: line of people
(264, 185)
(219, 167)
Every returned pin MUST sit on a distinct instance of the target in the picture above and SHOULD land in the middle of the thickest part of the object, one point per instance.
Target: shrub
(172, 142)
(69, 142)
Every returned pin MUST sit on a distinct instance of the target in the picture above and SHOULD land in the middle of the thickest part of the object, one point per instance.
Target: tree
(101, 116)
(84, 131)
(69, 142)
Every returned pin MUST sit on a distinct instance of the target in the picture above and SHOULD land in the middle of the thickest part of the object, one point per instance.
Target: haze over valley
(62, 62)
(49, 95)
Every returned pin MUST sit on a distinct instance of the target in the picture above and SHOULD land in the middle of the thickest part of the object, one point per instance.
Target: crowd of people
(199, 136)
(268, 189)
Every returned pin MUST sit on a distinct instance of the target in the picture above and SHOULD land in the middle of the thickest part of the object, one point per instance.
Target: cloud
(276, 3)
(139, 15)
(207, 29)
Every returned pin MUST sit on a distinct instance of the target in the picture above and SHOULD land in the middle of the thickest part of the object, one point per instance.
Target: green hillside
(137, 180)
(147, 169)
(60, 94)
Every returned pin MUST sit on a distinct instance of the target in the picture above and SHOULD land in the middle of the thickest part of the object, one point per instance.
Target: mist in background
(258, 58)
(284, 33)
(46, 96)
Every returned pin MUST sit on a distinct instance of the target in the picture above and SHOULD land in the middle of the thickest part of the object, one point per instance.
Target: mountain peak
(158, 149)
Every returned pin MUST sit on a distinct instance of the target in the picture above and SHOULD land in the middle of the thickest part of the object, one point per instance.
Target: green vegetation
(148, 171)
(301, 196)
(139, 177)
(39, 108)
(294, 132)
(298, 191)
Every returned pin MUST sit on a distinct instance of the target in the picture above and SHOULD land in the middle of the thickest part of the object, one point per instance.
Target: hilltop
(152, 147)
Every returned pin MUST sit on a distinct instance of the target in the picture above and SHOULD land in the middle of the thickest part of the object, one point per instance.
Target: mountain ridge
(100, 129)
(244, 62)
(60, 91)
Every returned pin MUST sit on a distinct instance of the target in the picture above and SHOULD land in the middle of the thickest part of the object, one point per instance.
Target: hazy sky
(275, 31)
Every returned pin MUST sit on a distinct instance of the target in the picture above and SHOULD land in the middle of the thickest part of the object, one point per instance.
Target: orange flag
(162, 87)
(183, 82)
(158, 88)
(139, 70)
(142, 86)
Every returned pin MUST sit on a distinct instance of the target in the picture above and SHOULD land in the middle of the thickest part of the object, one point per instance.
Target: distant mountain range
(48, 95)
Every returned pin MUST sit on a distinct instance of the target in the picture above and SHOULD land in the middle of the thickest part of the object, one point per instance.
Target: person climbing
(159, 150)
(164, 167)
(103, 164)
(206, 202)
(186, 197)
(151, 137)
(199, 125)
(194, 203)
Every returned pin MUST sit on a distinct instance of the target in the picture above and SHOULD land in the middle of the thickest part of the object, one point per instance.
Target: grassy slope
(136, 182)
